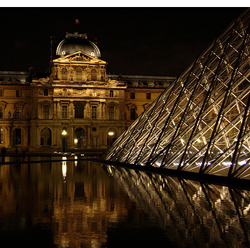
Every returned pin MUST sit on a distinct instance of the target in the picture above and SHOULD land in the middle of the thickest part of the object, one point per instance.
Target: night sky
(134, 41)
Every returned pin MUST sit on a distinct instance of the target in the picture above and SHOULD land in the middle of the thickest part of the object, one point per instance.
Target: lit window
(94, 112)
(64, 111)
(132, 95)
(148, 96)
(45, 111)
(111, 113)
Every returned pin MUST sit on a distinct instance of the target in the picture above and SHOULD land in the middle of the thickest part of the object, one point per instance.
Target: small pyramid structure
(201, 122)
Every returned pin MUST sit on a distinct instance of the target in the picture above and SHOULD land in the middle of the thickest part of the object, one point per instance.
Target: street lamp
(64, 133)
(111, 134)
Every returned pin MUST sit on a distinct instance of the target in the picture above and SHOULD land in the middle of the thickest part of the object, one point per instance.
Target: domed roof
(77, 42)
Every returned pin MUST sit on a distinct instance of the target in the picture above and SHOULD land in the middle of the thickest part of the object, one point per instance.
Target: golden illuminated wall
(15, 112)
(78, 82)
(139, 98)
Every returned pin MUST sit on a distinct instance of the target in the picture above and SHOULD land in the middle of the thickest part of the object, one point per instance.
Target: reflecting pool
(87, 204)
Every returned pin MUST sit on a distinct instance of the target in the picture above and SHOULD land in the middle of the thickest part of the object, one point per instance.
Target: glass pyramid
(200, 123)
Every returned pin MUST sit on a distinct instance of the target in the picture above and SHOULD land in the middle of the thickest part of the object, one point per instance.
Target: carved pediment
(19, 104)
(46, 102)
(131, 105)
(79, 56)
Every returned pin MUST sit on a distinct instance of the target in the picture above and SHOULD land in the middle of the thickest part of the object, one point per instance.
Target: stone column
(104, 112)
(71, 109)
(55, 110)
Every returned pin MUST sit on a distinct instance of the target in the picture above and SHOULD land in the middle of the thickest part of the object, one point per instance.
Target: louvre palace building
(75, 106)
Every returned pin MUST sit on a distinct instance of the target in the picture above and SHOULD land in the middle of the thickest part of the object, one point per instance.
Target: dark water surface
(86, 204)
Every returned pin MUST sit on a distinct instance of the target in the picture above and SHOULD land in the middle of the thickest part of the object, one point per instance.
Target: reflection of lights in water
(76, 161)
(64, 167)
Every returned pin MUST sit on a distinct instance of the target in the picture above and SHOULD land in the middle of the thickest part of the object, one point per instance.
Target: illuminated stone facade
(76, 106)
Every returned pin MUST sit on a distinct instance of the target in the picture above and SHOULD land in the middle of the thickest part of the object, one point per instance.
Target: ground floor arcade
(59, 135)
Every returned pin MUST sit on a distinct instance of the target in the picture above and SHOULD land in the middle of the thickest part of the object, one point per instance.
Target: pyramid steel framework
(189, 209)
(200, 123)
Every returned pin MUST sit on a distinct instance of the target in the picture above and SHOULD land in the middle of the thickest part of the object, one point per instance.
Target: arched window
(64, 74)
(78, 74)
(1, 113)
(93, 75)
(80, 138)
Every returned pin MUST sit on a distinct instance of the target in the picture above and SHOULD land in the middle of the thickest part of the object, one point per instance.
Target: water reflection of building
(191, 212)
(79, 206)
(76, 96)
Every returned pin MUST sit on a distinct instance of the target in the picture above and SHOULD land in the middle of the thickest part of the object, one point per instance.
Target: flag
(77, 21)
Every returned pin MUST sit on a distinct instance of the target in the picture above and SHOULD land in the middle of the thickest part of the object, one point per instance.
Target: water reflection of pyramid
(201, 122)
